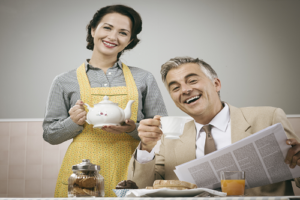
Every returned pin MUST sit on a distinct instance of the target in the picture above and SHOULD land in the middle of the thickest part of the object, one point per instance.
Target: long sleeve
(144, 174)
(58, 126)
(153, 103)
(280, 117)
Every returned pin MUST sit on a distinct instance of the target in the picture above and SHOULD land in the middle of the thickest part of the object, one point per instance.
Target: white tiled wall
(29, 166)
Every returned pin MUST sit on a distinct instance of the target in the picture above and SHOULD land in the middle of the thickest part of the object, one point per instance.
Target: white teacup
(172, 126)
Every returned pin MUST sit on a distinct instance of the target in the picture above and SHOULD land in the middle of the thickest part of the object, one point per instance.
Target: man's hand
(149, 132)
(77, 113)
(293, 154)
(129, 126)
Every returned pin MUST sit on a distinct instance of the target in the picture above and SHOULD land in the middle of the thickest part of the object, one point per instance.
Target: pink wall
(29, 166)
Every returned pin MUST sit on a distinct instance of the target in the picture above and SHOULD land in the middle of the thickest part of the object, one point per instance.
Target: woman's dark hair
(123, 10)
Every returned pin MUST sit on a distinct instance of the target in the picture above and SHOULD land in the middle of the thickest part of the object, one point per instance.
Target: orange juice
(233, 187)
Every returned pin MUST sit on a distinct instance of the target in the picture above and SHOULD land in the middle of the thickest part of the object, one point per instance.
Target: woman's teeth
(192, 99)
(111, 45)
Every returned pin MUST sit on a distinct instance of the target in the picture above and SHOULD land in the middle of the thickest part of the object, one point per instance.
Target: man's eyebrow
(189, 75)
(171, 83)
(121, 29)
(186, 77)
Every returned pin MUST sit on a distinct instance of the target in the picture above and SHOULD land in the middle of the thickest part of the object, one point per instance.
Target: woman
(112, 30)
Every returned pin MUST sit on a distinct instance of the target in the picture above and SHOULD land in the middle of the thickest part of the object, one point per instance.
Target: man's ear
(217, 84)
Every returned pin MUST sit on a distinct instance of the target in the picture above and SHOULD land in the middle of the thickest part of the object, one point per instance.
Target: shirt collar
(220, 121)
(89, 66)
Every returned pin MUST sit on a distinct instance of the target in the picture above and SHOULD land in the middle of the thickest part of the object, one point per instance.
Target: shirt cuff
(135, 133)
(143, 156)
(72, 127)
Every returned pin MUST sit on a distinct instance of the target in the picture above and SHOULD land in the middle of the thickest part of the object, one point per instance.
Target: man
(195, 88)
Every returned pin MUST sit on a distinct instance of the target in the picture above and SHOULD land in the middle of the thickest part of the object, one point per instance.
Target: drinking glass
(233, 182)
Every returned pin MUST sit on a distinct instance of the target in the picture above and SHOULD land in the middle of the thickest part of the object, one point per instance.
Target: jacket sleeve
(145, 174)
(280, 117)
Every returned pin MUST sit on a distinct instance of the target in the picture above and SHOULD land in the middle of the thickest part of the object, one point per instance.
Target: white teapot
(107, 113)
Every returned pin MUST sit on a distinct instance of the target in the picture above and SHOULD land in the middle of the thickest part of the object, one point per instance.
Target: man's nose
(187, 90)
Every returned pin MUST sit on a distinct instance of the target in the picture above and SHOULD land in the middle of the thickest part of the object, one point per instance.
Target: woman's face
(112, 34)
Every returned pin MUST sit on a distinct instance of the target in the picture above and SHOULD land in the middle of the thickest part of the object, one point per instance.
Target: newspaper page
(260, 155)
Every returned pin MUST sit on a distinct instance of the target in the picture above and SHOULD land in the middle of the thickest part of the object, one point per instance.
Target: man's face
(193, 92)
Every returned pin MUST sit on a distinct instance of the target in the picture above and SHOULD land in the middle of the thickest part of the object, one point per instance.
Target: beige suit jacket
(244, 122)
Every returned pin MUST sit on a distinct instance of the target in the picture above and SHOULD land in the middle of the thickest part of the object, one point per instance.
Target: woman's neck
(102, 62)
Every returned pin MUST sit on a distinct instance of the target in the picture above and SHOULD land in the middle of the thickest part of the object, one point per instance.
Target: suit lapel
(185, 149)
(240, 128)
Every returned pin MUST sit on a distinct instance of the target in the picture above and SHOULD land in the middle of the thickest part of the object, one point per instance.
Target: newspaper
(260, 155)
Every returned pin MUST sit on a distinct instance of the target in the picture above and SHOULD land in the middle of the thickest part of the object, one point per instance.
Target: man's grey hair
(177, 61)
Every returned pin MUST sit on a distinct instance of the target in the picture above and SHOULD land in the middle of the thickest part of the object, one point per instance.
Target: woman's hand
(77, 113)
(129, 126)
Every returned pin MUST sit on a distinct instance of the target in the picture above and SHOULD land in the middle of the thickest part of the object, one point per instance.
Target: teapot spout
(127, 110)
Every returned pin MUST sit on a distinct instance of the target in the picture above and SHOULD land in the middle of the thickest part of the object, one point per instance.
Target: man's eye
(175, 89)
(193, 81)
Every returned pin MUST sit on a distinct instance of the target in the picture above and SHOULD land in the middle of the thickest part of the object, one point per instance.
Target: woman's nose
(112, 35)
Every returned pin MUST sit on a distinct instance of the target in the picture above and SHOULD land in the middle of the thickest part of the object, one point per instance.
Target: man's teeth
(191, 99)
(112, 45)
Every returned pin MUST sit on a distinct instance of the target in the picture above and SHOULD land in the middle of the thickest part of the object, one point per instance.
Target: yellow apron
(111, 151)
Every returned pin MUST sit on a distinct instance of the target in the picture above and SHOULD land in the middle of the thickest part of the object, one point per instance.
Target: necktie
(209, 142)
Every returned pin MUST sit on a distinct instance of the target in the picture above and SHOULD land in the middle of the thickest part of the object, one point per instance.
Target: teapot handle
(87, 105)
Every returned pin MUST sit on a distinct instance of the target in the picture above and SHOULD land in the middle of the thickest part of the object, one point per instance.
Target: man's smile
(192, 99)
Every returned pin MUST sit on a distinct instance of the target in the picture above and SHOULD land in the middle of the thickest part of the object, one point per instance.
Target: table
(177, 198)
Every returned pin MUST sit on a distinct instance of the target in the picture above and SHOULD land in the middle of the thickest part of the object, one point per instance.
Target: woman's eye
(123, 33)
(193, 81)
(106, 27)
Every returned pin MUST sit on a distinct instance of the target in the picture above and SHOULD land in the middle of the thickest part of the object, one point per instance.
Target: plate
(120, 192)
(164, 192)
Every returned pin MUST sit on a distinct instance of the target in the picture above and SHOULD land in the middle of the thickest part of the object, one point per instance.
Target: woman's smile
(109, 44)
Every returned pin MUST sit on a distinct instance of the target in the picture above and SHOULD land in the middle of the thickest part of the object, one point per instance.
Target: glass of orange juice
(233, 182)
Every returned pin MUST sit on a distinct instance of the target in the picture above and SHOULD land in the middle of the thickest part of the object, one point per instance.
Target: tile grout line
(25, 159)
(41, 191)
(8, 156)
(42, 168)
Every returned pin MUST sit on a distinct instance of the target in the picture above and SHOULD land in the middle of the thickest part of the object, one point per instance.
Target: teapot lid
(106, 101)
(86, 166)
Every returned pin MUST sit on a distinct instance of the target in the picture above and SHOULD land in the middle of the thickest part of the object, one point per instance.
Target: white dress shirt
(221, 132)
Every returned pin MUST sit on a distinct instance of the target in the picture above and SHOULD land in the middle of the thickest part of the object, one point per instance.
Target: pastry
(91, 193)
(127, 184)
(88, 182)
(78, 191)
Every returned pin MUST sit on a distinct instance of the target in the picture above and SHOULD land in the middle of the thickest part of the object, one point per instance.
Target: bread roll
(173, 184)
